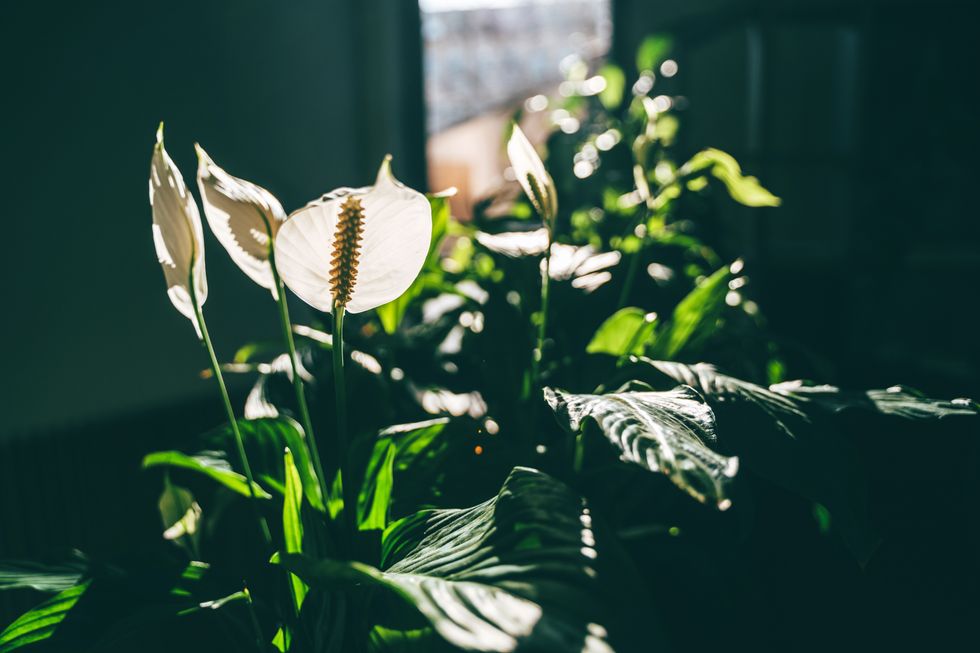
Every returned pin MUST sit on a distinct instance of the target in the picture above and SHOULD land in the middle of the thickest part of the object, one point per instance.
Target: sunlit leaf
(714, 385)
(375, 500)
(666, 432)
(522, 571)
(265, 440)
(743, 189)
(898, 401)
(214, 467)
(27, 574)
(292, 523)
(41, 622)
(693, 318)
(624, 332)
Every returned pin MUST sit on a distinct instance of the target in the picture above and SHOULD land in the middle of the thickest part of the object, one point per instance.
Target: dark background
(861, 115)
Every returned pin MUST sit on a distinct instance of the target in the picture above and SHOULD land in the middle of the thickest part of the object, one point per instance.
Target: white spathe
(527, 164)
(243, 216)
(397, 232)
(177, 234)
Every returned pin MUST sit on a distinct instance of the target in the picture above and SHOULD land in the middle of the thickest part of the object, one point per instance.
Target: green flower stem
(538, 355)
(240, 444)
(298, 388)
(340, 390)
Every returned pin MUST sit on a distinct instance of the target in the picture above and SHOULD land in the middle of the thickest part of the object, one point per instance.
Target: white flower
(244, 218)
(177, 234)
(532, 176)
(359, 248)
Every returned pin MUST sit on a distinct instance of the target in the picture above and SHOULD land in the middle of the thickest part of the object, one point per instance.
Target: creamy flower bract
(531, 174)
(243, 216)
(363, 247)
(177, 234)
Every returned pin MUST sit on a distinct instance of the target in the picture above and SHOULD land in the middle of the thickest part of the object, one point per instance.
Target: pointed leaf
(292, 523)
(664, 432)
(624, 332)
(41, 622)
(213, 467)
(523, 571)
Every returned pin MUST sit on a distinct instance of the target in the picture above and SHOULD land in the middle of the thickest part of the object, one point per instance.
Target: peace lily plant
(430, 525)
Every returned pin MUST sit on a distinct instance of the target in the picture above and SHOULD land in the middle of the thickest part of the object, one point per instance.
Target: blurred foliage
(500, 512)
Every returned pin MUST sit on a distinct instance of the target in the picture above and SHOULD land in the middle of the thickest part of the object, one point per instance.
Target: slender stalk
(230, 413)
(298, 388)
(340, 390)
(538, 355)
(254, 619)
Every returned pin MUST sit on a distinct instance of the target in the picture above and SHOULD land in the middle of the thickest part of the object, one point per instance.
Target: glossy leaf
(522, 571)
(624, 332)
(292, 523)
(665, 432)
(714, 385)
(265, 440)
(27, 574)
(213, 467)
(41, 622)
(375, 499)
(898, 401)
(694, 318)
(743, 189)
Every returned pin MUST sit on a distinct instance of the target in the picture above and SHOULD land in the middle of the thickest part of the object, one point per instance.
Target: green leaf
(652, 52)
(41, 622)
(265, 439)
(743, 189)
(522, 571)
(292, 523)
(817, 461)
(898, 401)
(694, 318)
(625, 332)
(612, 95)
(211, 466)
(666, 432)
(714, 385)
(375, 497)
(27, 574)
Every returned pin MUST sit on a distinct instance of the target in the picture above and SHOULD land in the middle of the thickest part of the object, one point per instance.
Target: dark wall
(298, 96)
(862, 116)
